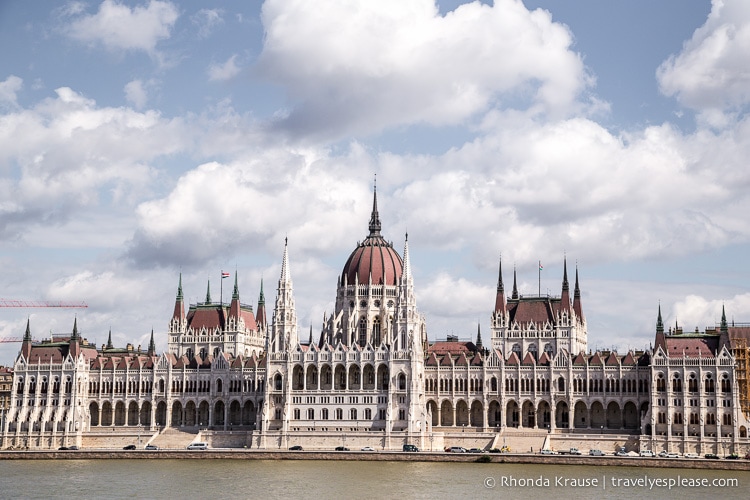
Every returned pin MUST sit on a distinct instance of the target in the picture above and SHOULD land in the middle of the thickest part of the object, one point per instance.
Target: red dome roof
(374, 258)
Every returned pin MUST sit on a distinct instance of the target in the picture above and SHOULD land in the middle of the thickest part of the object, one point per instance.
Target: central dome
(374, 259)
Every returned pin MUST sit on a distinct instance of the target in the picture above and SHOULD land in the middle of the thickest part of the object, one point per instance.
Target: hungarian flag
(541, 267)
(224, 275)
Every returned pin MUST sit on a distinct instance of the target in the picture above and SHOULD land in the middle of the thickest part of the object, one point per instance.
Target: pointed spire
(659, 322)
(179, 289)
(565, 297)
(109, 340)
(285, 263)
(236, 292)
(27, 335)
(479, 337)
(515, 288)
(179, 306)
(262, 298)
(310, 339)
(374, 217)
(406, 273)
(75, 330)
(208, 292)
(152, 344)
(724, 326)
(500, 296)
(577, 298)
(26, 345)
(261, 316)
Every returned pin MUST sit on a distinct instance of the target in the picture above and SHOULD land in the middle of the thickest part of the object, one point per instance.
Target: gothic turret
(577, 299)
(178, 315)
(500, 296)
(26, 345)
(565, 297)
(284, 314)
(75, 341)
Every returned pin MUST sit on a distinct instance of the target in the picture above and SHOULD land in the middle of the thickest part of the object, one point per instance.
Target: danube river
(191, 478)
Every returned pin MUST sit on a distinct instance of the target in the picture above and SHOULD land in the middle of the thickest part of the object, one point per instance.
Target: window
(324, 414)
(310, 414)
(362, 332)
(376, 331)
(353, 414)
(339, 414)
(368, 414)
(402, 382)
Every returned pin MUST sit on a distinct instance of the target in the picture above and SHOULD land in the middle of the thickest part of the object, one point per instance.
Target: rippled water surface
(114, 479)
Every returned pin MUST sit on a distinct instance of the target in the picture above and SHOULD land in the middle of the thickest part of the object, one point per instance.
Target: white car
(548, 452)
(368, 448)
(691, 455)
(647, 453)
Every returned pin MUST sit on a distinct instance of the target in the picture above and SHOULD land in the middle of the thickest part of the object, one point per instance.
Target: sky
(144, 140)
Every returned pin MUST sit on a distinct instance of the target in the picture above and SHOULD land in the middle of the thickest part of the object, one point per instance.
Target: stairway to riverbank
(175, 439)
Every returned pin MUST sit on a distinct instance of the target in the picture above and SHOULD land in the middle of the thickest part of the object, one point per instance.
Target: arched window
(402, 382)
(362, 332)
(277, 381)
(376, 331)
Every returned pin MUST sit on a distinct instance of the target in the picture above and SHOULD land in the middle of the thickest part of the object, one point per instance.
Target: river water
(216, 479)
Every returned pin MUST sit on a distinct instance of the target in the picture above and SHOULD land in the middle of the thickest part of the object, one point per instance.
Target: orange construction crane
(36, 303)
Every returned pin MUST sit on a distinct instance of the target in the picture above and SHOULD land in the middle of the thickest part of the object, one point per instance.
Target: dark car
(63, 448)
(733, 456)
(410, 448)
(475, 450)
(342, 448)
(129, 447)
(73, 447)
(295, 448)
(711, 456)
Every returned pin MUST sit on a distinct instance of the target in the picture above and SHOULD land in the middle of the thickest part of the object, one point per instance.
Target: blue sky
(139, 140)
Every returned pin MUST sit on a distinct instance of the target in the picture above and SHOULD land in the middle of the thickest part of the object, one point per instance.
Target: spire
(26, 345)
(236, 292)
(75, 336)
(208, 292)
(109, 340)
(179, 306)
(27, 335)
(152, 344)
(500, 297)
(515, 288)
(577, 298)
(659, 322)
(724, 326)
(479, 337)
(565, 297)
(261, 317)
(284, 278)
(374, 217)
(406, 273)
(310, 339)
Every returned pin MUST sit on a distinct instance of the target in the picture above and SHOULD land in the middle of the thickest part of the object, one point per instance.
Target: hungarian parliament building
(370, 376)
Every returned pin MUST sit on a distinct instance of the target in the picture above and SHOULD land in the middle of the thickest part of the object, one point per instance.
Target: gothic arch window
(362, 332)
(533, 350)
(189, 353)
(376, 331)
(676, 383)
(517, 349)
(548, 349)
(277, 381)
(218, 386)
(402, 382)
(709, 384)
(217, 350)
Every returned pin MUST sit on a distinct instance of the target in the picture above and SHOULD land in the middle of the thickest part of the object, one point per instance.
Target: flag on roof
(224, 275)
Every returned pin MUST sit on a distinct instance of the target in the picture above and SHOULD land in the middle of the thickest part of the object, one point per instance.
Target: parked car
(63, 448)
(197, 446)
(647, 453)
(668, 454)
(296, 447)
(341, 448)
(621, 453)
(548, 452)
(368, 448)
(74, 447)
(691, 455)
(711, 456)
(475, 450)
(456, 449)
(151, 447)
(129, 447)
(596, 453)
(410, 447)
(733, 456)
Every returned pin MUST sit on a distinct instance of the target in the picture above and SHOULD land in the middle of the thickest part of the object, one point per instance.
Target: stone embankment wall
(510, 458)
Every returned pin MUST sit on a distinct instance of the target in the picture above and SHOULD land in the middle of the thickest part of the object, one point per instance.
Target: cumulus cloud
(8, 90)
(710, 73)
(135, 92)
(226, 71)
(118, 27)
(65, 149)
(367, 66)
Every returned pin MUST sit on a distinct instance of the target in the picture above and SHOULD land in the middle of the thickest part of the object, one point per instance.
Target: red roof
(453, 348)
(688, 345)
(374, 258)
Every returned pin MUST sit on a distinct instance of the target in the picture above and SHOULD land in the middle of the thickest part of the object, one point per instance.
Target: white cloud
(226, 71)
(207, 20)
(367, 66)
(118, 27)
(710, 73)
(8, 90)
(65, 150)
(135, 92)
